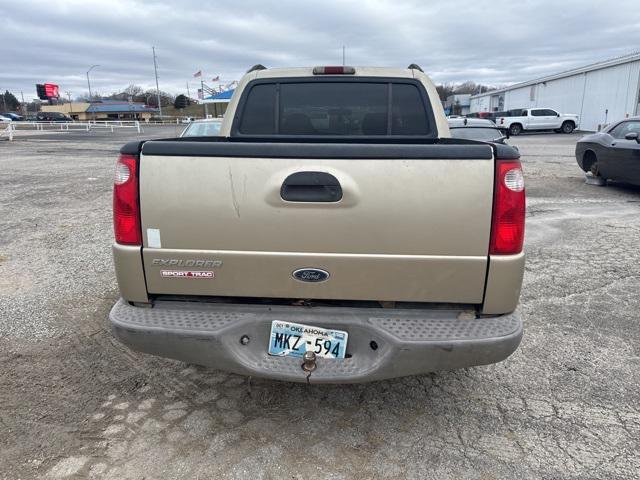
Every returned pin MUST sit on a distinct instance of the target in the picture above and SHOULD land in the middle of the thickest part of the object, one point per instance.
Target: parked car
(53, 117)
(187, 119)
(13, 116)
(613, 153)
(535, 119)
(331, 233)
(477, 129)
(5, 119)
(208, 127)
(469, 122)
(485, 115)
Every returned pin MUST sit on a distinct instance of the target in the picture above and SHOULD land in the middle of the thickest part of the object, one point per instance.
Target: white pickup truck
(526, 119)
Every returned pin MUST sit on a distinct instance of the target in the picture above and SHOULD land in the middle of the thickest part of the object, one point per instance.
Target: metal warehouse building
(600, 93)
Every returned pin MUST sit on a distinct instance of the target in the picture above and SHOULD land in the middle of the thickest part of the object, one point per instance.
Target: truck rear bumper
(408, 341)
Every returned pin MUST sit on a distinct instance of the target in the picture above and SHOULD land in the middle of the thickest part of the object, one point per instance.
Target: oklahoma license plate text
(294, 339)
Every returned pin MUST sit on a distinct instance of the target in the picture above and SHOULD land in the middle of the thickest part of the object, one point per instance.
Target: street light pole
(89, 82)
(155, 67)
(89, 85)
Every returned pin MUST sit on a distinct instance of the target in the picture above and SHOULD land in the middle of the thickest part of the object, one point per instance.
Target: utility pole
(206, 110)
(155, 67)
(4, 99)
(343, 55)
(188, 94)
(69, 96)
(24, 105)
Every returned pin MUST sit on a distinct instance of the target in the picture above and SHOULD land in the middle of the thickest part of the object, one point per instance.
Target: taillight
(334, 70)
(126, 211)
(507, 226)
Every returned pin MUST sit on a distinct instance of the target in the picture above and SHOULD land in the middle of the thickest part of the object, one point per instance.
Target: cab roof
(359, 71)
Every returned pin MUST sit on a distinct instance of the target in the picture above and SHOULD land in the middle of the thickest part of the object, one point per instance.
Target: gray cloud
(495, 42)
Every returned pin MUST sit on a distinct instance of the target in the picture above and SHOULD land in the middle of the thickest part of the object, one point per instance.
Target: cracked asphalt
(74, 403)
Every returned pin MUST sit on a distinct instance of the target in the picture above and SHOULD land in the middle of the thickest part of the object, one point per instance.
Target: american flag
(198, 73)
(215, 79)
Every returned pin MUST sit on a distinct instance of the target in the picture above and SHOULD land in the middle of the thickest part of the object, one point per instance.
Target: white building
(458, 103)
(600, 93)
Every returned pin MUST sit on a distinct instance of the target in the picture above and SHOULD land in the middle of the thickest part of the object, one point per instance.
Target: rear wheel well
(518, 129)
(589, 159)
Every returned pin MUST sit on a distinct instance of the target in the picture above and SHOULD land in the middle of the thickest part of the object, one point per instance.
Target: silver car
(209, 127)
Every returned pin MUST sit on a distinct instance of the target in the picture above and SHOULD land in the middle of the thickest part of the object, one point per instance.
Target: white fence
(6, 131)
(71, 126)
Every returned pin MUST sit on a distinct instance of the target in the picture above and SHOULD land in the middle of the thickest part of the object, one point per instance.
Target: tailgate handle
(311, 187)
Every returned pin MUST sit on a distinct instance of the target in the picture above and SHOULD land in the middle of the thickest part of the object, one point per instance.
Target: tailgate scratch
(236, 205)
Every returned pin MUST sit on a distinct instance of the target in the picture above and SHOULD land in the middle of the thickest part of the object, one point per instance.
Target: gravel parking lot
(75, 404)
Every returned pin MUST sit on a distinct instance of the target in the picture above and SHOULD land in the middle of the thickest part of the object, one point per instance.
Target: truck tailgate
(412, 224)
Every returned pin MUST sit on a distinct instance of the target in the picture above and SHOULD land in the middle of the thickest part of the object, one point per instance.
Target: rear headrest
(374, 124)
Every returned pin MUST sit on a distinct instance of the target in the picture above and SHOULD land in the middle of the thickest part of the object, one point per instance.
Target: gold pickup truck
(332, 233)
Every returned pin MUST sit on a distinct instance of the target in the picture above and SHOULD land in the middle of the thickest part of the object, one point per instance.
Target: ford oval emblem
(311, 275)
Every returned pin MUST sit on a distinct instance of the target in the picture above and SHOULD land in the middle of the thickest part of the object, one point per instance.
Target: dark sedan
(477, 129)
(613, 153)
(53, 117)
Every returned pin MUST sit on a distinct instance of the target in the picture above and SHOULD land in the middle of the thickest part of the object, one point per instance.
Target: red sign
(51, 90)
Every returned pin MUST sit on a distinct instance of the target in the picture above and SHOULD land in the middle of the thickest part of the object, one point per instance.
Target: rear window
(202, 129)
(476, 133)
(408, 116)
(258, 116)
(335, 108)
(511, 113)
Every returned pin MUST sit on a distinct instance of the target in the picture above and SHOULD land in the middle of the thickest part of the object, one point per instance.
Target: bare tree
(34, 105)
(134, 90)
(444, 90)
(470, 87)
(165, 98)
(473, 88)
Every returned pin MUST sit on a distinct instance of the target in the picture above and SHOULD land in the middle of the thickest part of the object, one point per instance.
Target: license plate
(294, 339)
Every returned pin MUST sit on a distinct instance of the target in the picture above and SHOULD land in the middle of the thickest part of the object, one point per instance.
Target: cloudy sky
(489, 41)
